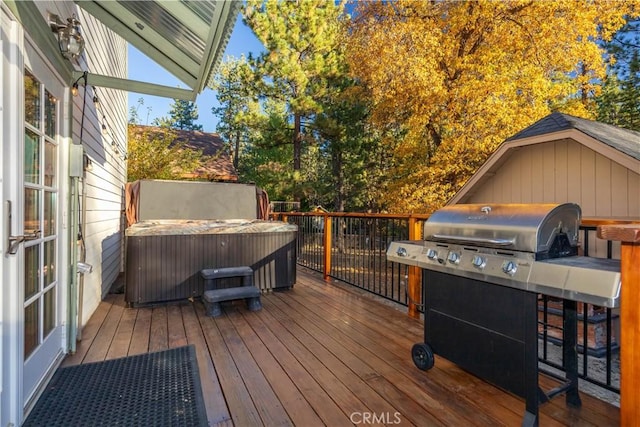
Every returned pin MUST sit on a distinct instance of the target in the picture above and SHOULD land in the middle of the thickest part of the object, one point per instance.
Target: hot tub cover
(190, 227)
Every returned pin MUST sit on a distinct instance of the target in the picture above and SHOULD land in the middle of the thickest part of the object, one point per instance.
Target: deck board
(318, 354)
(401, 371)
(215, 404)
(142, 329)
(324, 406)
(159, 333)
(264, 398)
(176, 334)
(292, 400)
(122, 339)
(238, 398)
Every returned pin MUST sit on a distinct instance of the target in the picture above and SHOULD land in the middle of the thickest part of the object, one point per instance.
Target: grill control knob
(478, 262)
(510, 267)
(401, 252)
(432, 254)
(453, 258)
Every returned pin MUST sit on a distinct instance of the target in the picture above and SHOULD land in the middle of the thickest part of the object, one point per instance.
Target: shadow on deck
(317, 355)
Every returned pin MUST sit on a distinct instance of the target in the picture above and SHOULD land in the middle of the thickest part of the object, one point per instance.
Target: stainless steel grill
(483, 269)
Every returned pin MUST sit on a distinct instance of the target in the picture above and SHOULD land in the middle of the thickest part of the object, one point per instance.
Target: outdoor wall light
(76, 84)
(105, 131)
(70, 41)
(96, 100)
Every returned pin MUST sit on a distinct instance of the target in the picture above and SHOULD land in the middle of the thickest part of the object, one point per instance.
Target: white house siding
(565, 171)
(104, 184)
(106, 54)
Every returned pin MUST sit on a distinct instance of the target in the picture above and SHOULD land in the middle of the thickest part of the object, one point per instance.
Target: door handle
(14, 241)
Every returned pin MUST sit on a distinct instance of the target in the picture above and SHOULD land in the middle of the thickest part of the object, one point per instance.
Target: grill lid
(519, 227)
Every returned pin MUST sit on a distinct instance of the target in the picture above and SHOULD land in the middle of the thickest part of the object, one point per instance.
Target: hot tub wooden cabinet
(164, 257)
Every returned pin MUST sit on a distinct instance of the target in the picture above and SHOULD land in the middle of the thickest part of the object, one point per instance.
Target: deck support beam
(326, 240)
(414, 279)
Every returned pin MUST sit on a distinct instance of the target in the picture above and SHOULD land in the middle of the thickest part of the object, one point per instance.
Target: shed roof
(623, 140)
(619, 145)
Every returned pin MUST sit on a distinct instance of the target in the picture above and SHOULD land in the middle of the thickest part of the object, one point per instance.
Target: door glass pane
(31, 157)
(31, 99)
(31, 210)
(49, 164)
(49, 114)
(49, 225)
(40, 214)
(31, 322)
(49, 312)
(31, 271)
(49, 269)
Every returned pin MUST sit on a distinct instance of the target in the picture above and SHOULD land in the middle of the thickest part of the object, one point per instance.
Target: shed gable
(562, 171)
(562, 158)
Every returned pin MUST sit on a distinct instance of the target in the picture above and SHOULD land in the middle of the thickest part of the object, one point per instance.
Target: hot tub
(164, 257)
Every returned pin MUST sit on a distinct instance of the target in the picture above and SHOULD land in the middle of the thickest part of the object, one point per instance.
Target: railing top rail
(585, 222)
(354, 215)
(594, 222)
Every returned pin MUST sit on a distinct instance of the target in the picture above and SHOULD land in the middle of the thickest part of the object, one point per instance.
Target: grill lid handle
(474, 240)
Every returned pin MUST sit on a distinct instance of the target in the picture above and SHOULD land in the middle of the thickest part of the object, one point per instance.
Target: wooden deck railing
(629, 235)
(351, 247)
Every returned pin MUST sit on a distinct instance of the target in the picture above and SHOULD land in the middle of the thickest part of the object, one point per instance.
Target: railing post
(326, 239)
(629, 235)
(414, 281)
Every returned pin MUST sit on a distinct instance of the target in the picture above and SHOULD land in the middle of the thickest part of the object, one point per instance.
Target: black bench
(213, 297)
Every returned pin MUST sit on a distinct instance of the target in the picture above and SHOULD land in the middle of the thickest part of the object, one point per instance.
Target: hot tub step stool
(211, 274)
(213, 297)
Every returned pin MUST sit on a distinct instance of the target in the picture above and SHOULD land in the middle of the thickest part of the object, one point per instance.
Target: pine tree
(237, 104)
(301, 39)
(182, 116)
(619, 102)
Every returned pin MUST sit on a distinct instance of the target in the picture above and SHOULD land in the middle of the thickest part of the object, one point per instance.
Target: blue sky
(142, 68)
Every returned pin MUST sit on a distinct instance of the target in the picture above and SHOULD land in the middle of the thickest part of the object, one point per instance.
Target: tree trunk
(236, 151)
(338, 177)
(297, 142)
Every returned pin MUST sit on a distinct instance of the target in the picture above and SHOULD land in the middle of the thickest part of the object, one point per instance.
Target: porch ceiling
(187, 37)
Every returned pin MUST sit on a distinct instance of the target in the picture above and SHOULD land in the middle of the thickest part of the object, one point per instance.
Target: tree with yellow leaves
(456, 78)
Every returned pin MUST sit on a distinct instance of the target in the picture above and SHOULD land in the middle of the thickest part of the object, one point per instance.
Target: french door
(38, 212)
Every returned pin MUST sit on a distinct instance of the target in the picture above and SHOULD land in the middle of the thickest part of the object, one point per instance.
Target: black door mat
(154, 389)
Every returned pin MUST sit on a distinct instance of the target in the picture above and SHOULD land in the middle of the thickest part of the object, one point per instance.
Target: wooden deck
(317, 355)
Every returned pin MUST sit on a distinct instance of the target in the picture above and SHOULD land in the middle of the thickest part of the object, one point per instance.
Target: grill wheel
(422, 356)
